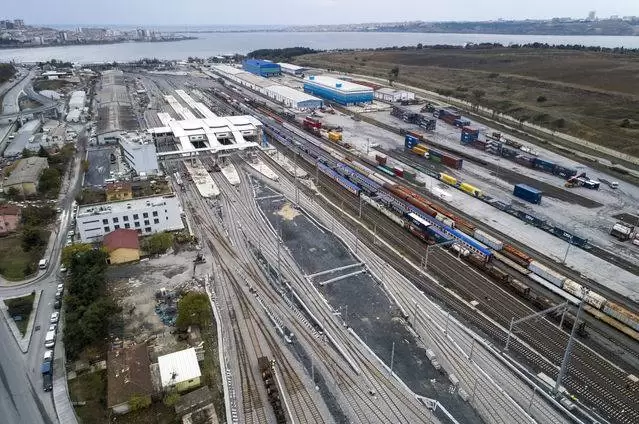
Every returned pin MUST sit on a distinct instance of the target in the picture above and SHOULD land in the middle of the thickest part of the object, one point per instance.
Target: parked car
(48, 355)
(53, 327)
(58, 295)
(57, 304)
(47, 382)
(63, 268)
(61, 287)
(55, 317)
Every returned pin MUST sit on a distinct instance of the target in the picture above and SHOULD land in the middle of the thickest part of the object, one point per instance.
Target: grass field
(90, 389)
(14, 262)
(591, 95)
(21, 306)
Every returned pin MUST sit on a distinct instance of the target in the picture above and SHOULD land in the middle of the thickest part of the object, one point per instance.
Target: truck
(622, 231)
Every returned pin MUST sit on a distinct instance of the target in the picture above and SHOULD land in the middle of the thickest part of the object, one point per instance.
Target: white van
(49, 340)
(43, 264)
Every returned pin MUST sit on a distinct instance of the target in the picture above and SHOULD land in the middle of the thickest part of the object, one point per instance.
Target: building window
(145, 215)
(125, 218)
(115, 219)
(146, 222)
(135, 216)
(116, 227)
(137, 224)
(147, 229)
(127, 225)
(156, 221)
(155, 213)
(105, 221)
(106, 229)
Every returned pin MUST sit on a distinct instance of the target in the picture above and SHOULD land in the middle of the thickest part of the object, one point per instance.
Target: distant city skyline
(294, 12)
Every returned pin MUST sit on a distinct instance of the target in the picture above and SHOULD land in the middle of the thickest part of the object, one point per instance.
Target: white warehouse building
(77, 100)
(289, 68)
(293, 98)
(391, 95)
(138, 149)
(147, 215)
(288, 96)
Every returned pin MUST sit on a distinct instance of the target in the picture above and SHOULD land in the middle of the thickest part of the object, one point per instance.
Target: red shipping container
(479, 144)
(399, 172)
(470, 130)
(381, 159)
(452, 161)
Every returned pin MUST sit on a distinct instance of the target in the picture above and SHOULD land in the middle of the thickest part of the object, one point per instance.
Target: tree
(69, 252)
(158, 243)
(26, 153)
(477, 96)
(171, 398)
(84, 165)
(420, 46)
(43, 152)
(38, 216)
(393, 74)
(541, 99)
(13, 193)
(50, 181)
(31, 239)
(137, 402)
(193, 309)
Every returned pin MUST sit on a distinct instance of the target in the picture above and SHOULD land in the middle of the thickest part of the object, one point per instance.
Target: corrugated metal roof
(254, 79)
(337, 84)
(178, 366)
(227, 69)
(291, 67)
(291, 93)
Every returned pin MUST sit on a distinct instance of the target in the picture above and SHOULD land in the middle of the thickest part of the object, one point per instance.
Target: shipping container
(622, 315)
(479, 144)
(452, 161)
(621, 231)
(595, 299)
(527, 193)
(470, 189)
(544, 165)
(573, 288)
(334, 136)
(524, 160)
(547, 273)
(488, 240)
(519, 287)
(398, 171)
(381, 159)
(411, 141)
(448, 179)
(508, 153)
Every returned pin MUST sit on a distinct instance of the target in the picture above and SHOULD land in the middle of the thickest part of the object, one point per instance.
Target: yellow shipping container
(448, 179)
(422, 146)
(334, 136)
(470, 189)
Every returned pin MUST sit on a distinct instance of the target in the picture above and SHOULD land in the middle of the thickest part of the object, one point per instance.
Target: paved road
(22, 399)
(10, 100)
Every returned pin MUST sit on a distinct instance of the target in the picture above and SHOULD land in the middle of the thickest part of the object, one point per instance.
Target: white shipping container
(622, 229)
(453, 380)
(622, 315)
(430, 354)
(573, 288)
(488, 240)
(595, 299)
(547, 273)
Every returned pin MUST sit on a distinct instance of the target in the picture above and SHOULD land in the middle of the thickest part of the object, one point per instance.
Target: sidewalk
(61, 399)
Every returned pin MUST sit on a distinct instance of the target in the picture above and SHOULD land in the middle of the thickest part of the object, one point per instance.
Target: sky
(298, 12)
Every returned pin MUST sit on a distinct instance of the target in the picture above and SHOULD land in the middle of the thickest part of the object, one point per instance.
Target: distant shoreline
(396, 31)
(93, 43)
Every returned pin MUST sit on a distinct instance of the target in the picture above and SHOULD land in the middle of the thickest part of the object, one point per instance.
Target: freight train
(266, 369)
(406, 202)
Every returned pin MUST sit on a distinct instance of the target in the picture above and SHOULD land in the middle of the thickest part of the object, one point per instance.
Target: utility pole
(360, 206)
(571, 340)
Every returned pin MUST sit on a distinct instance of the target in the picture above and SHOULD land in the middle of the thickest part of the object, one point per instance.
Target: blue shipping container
(528, 193)
(410, 141)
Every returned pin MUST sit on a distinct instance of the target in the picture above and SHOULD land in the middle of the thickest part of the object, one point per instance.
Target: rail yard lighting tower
(571, 341)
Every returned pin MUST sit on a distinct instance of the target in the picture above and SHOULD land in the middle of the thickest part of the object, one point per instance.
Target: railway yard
(364, 281)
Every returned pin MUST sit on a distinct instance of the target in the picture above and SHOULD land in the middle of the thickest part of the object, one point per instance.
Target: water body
(211, 44)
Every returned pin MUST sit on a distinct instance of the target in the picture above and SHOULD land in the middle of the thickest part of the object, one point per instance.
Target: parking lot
(99, 166)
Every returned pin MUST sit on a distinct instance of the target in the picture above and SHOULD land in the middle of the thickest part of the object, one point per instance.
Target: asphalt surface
(364, 305)
(22, 398)
(99, 166)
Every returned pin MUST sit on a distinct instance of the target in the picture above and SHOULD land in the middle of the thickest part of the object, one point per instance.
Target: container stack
(415, 118)
(469, 134)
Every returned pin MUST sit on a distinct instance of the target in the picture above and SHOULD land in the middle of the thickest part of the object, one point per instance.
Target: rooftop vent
(338, 85)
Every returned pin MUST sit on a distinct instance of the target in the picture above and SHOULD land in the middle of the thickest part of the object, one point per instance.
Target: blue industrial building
(342, 92)
(262, 68)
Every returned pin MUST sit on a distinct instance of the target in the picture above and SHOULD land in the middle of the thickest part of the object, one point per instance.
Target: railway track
(344, 377)
(599, 383)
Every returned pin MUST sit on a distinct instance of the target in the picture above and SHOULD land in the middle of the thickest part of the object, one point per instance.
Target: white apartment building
(147, 215)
